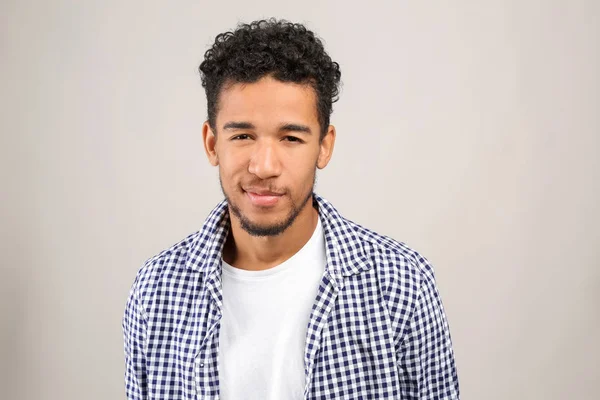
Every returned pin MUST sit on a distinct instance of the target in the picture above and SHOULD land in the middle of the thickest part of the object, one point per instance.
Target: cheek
(228, 178)
(302, 172)
(230, 167)
(235, 174)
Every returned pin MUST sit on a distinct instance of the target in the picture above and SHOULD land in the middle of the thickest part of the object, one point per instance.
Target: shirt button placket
(199, 377)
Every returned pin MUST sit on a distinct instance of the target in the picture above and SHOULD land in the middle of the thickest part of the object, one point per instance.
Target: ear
(210, 143)
(326, 147)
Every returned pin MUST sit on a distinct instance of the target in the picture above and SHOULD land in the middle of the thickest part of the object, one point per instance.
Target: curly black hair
(287, 51)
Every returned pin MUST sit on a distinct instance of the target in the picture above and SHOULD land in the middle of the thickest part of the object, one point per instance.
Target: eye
(293, 139)
(243, 136)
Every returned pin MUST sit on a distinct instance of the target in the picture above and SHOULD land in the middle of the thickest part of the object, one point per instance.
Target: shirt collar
(345, 253)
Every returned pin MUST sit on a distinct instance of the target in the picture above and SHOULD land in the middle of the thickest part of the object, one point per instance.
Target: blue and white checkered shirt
(377, 328)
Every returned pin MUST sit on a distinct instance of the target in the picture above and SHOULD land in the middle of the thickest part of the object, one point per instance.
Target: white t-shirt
(264, 325)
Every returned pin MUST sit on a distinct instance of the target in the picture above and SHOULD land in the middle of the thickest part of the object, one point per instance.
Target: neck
(259, 253)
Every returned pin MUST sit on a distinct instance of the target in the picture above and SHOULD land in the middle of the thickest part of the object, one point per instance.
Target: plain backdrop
(468, 130)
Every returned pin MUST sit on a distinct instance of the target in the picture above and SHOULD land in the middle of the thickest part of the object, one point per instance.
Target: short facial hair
(272, 230)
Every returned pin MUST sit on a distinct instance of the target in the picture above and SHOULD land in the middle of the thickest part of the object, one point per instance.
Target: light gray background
(470, 130)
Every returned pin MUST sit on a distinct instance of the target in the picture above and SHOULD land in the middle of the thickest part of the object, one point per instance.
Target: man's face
(267, 148)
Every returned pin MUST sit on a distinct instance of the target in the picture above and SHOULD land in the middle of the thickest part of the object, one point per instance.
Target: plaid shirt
(377, 328)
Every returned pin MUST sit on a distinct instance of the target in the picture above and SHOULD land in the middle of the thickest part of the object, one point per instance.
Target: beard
(275, 229)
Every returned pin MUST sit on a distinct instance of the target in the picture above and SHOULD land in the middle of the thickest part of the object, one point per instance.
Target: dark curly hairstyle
(287, 51)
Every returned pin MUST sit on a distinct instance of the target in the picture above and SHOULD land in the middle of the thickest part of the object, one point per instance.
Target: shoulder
(392, 260)
(395, 263)
(164, 266)
(403, 275)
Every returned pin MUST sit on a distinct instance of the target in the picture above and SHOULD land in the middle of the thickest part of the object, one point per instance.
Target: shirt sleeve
(134, 335)
(426, 359)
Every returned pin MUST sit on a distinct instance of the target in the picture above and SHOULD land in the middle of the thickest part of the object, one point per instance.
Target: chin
(265, 215)
(262, 227)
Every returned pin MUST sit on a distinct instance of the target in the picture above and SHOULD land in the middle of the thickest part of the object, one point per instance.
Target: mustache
(256, 185)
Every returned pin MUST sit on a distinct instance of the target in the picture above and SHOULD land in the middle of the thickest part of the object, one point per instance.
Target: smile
(263, 200)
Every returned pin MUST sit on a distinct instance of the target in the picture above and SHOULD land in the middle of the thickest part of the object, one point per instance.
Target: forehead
(267, 101)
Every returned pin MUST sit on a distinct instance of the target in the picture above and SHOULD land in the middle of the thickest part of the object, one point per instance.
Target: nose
(264, 162)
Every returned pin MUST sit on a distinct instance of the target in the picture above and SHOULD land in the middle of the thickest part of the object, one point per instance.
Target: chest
(348, 346)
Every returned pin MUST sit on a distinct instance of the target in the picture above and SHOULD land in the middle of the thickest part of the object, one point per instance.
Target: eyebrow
(233, 125)
(238, 125)
(295, 128)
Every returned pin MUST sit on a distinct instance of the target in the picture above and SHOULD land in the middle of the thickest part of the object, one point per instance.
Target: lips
(263, 198)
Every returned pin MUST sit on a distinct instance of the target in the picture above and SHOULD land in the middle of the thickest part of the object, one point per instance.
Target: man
(278, 296)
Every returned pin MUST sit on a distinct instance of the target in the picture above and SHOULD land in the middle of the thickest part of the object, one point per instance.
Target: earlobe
(209, 140)
(326, 148)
